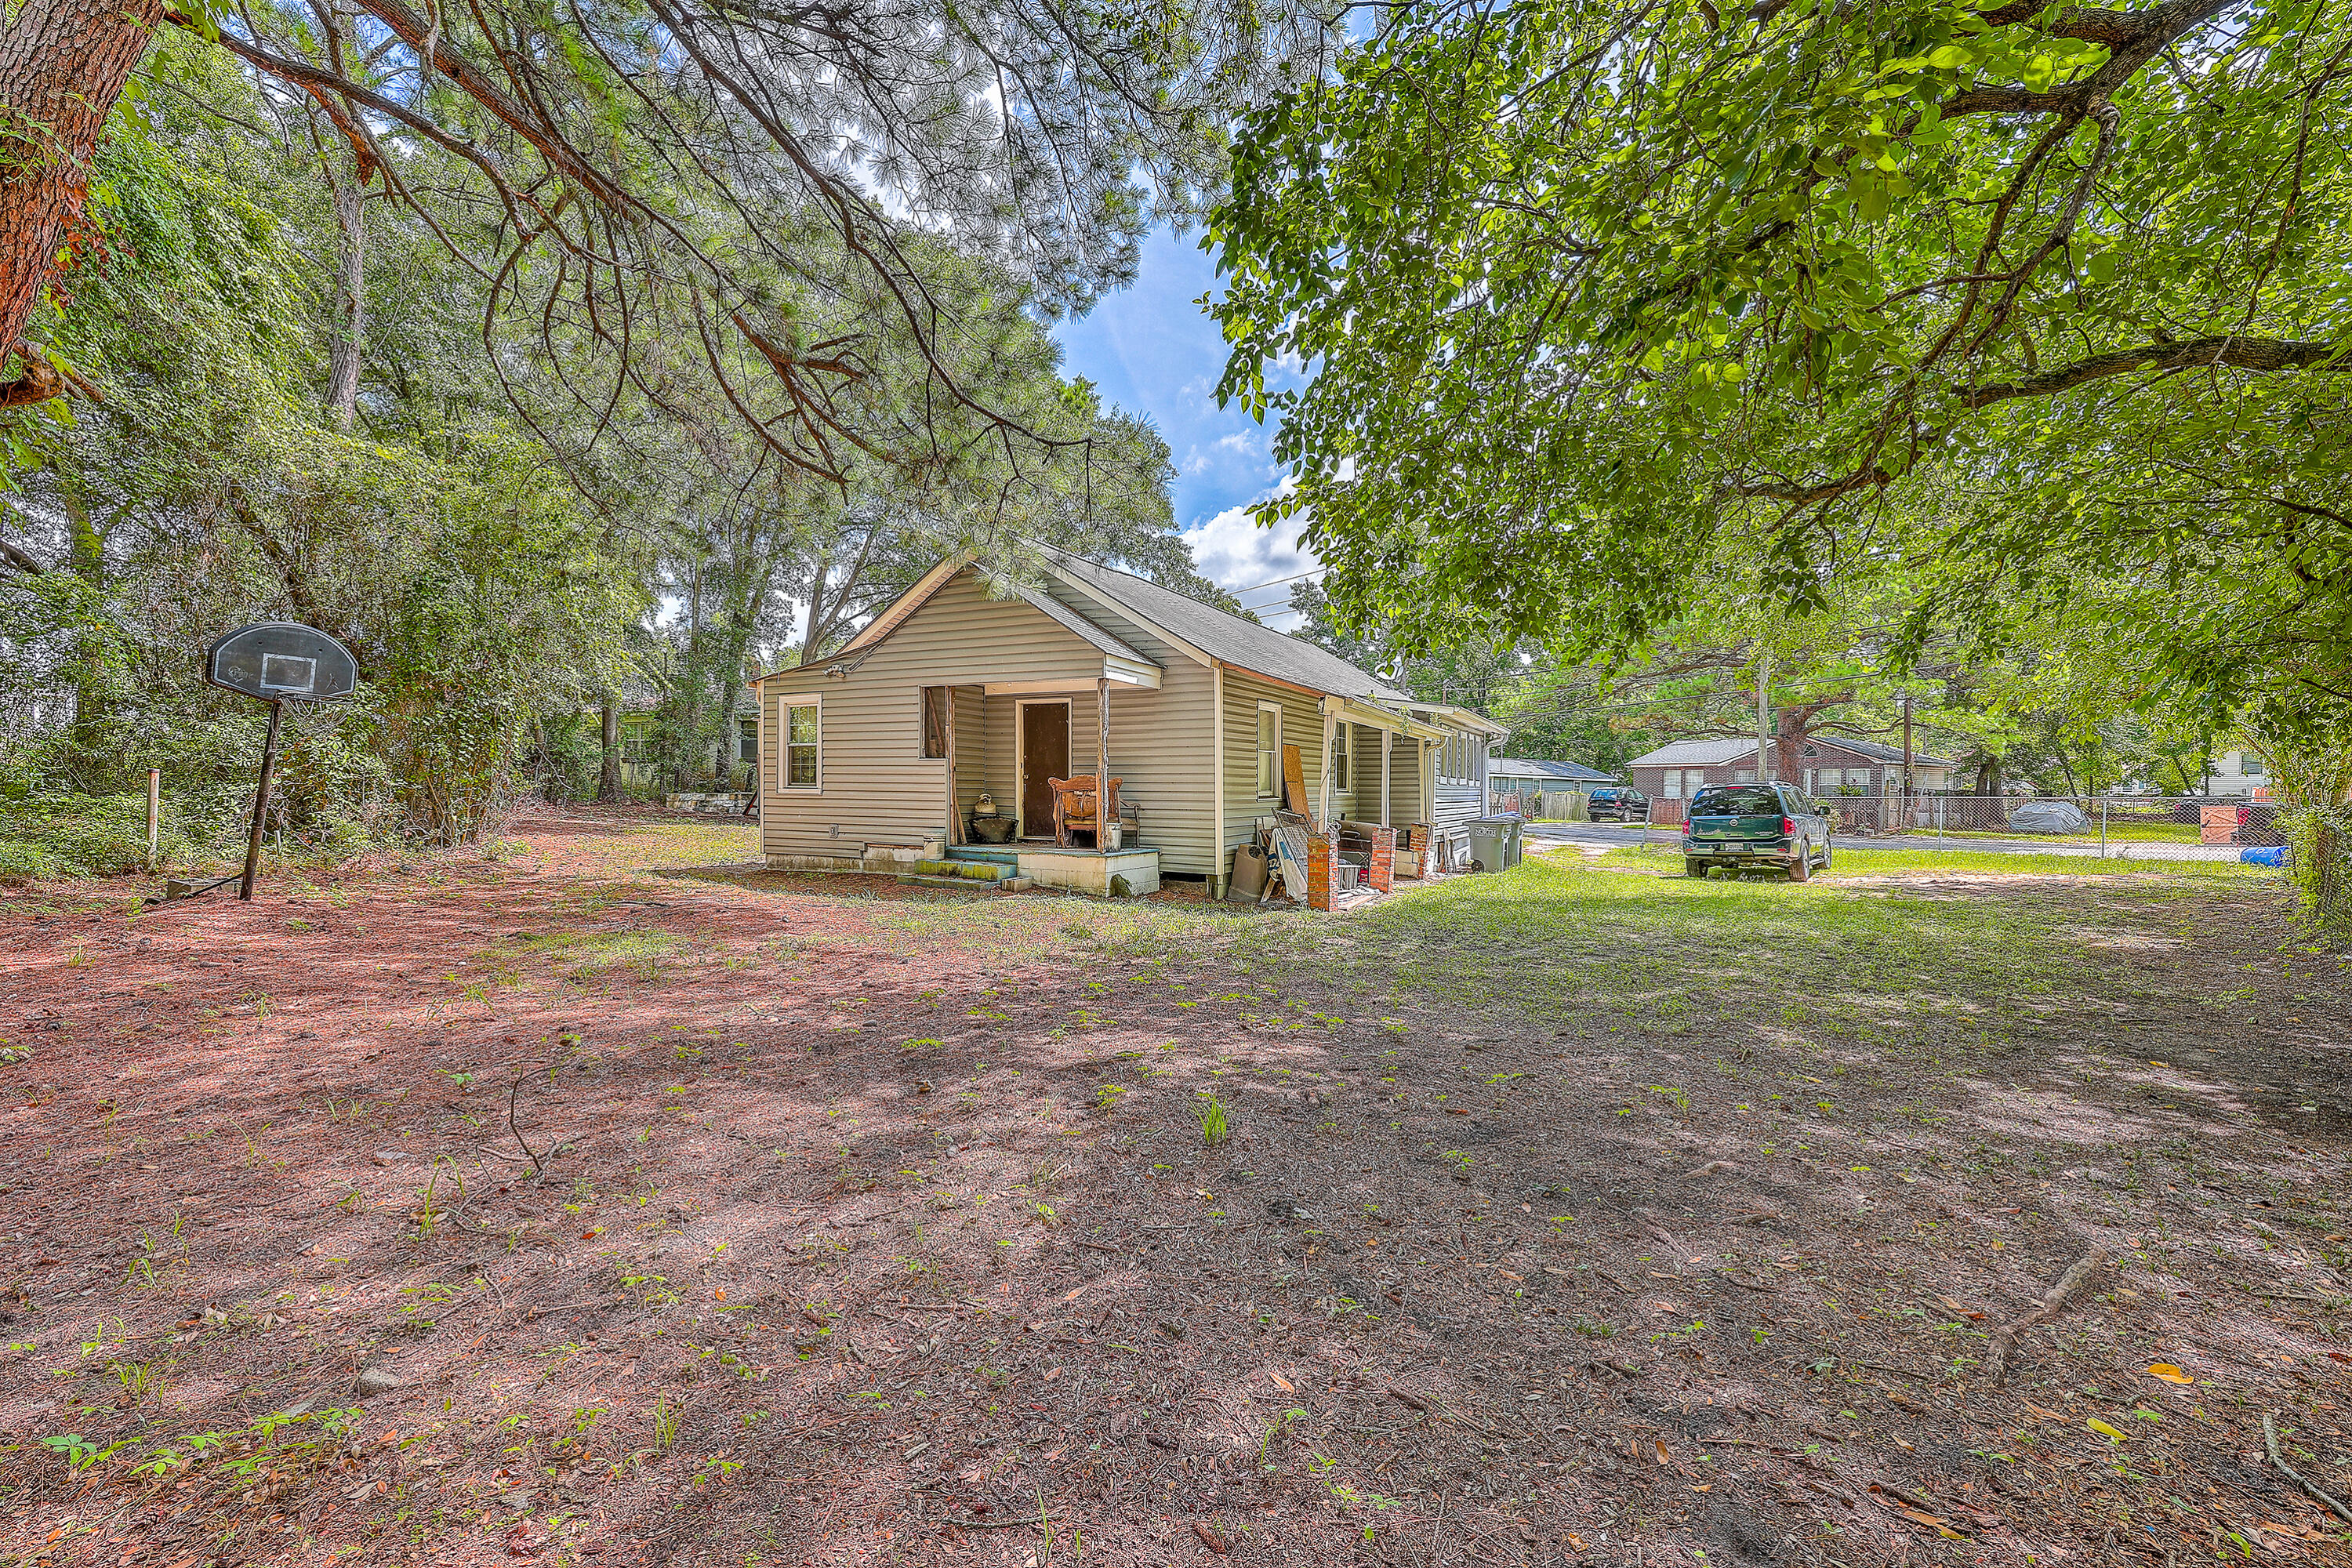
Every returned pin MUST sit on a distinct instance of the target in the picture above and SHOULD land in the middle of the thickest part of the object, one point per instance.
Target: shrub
(83, 835)
(22, 862)
(2319, 864)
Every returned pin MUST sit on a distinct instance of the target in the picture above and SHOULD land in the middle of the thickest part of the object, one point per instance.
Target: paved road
(1612, 833)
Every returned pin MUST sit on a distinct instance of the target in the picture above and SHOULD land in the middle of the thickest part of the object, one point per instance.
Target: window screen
(1269, 751)
(801, 746)
(1339, 756)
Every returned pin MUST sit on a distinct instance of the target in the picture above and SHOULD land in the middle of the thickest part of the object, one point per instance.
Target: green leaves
(1592, 294)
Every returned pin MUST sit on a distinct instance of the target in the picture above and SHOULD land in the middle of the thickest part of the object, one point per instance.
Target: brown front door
(1044, 755)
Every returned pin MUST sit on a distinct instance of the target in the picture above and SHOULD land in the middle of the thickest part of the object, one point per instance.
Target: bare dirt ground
(605, 1201)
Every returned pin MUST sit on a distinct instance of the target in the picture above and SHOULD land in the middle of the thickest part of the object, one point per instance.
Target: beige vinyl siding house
(1024, 688)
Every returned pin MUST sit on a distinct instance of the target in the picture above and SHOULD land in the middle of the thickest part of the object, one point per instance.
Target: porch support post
(1105, 797)
(1323, 802)
(955, 803)
(1388, 744)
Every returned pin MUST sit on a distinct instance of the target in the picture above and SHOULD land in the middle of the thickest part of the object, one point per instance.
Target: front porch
(1129, 872)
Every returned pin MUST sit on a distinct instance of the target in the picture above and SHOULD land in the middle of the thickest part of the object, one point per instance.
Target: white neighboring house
(2241, 774)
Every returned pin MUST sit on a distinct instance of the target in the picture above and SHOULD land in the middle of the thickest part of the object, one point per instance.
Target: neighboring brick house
(1821, 766)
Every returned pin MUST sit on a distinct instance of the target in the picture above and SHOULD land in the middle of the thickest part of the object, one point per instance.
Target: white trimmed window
(1339, 749)
(801, 763)
(1269, 750)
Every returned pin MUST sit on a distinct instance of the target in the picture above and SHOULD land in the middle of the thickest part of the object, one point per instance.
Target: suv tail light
(1788, 827)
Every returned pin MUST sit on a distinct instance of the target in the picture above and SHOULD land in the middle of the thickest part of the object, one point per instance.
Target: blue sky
(1152, 350)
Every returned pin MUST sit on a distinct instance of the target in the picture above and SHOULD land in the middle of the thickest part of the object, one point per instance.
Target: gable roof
(1212, 633)
(1713, 752)
(1083, 626)
(1221, 635)
(1722, 752)
(1535, 767)
(1878, 752)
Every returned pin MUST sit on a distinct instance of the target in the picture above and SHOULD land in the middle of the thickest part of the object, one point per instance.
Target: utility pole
(1765, 773)
(1907, 759)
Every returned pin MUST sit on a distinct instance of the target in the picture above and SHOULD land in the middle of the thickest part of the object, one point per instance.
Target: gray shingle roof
(1878, 752)
(1713, 752)
(1085, 629)
(1226, 637)
(1534, 767)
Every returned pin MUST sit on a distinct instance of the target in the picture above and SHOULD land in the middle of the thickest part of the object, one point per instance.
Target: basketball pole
(261, 798)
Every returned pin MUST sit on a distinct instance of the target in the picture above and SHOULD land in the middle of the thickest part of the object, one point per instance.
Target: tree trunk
(62, 66)
(350, 321)
(608, 772)
(346, 180)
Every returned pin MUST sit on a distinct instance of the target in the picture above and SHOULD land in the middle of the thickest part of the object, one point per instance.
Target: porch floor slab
(1090, 870)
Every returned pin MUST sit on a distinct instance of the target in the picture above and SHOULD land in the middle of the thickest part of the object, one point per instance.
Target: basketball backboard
(275, 660)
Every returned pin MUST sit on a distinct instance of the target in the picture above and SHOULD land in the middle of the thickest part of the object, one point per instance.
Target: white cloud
(1232, 551)
(1244, 441)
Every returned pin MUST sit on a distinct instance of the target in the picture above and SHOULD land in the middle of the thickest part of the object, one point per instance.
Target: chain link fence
(2146, 826)
(2202, 821)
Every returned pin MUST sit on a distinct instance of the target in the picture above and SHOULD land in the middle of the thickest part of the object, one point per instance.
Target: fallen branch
(2270, 1441)
(2070, 1285)
(1887, 1489)
(524, 1069)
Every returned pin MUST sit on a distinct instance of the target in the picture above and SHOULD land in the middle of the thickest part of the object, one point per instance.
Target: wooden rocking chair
(1077, 807)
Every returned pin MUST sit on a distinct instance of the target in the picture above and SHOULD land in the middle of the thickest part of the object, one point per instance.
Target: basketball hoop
(275, 662)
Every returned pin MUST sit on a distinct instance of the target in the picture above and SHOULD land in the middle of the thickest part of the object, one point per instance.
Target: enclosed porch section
(1016, 752)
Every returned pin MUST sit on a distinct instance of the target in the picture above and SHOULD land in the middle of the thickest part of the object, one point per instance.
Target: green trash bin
(1512, 850)
(1490, 840)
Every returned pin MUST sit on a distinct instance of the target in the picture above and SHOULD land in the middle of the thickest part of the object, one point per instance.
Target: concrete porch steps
(1005, 884)
(991, 854)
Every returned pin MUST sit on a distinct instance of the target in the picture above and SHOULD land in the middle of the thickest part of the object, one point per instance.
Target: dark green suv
(1770, 825)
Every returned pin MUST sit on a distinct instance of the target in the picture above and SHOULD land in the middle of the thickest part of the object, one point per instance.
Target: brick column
(1322, 855)
(1414, 842)
(1384, 875)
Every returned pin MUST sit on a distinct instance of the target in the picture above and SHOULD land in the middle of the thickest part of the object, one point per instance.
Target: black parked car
(1615, 804)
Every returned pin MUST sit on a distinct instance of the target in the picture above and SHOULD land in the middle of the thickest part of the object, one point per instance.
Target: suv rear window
(1604, 794)
(1736, 800)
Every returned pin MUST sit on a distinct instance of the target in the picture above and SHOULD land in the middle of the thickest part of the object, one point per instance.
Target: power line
(1278, 582)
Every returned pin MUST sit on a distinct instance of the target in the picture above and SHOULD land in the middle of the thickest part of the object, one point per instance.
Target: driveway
(1617, 833)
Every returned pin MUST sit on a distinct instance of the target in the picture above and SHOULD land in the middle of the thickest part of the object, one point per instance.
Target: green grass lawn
(1890, 954)
(1881, 862)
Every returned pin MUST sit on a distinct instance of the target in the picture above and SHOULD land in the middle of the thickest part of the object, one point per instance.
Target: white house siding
(1457, 801)
(1160, 743)
(877, 787)
(1001, 739)
(1302, 726)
